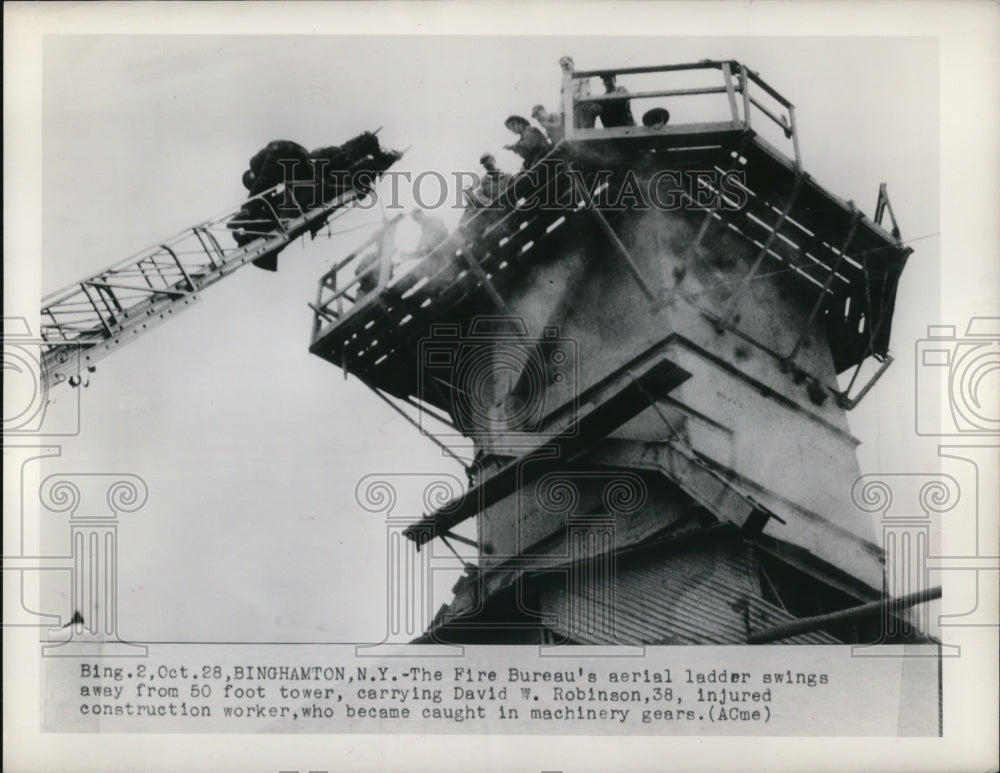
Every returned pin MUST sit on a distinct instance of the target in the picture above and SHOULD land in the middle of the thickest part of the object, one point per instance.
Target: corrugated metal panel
(825, 524)
(708, 595)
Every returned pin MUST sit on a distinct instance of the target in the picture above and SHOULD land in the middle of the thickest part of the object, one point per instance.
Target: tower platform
(823, 245)
(648, 330)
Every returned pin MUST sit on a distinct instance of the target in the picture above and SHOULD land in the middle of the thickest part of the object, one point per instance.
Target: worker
(433, 231)
(310, 179)
(259, 215)
(487, 195)
(532, 144)
(585, 114)
(252, 221)
(437, 264)
(495, 179)
(341, 166)
(617, 112)
(552, 123)
(329, 172)
(267, 166)
(491, 184)
(367, 272)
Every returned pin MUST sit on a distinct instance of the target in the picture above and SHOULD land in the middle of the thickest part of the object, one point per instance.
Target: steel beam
(615, 401)
(807, 624)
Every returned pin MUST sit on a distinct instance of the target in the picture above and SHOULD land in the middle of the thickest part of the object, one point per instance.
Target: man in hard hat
(532, 144)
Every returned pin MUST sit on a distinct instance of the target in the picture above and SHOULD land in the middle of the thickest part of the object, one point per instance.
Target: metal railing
(830, 263)
(358, 279)
(366, 271)
(745, 91)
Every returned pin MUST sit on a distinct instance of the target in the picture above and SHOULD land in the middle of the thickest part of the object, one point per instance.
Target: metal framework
(844, 263)
(88, 320)
(854, 278)
(364, 329)
(736, 80)
(614, 402)
(826, 246)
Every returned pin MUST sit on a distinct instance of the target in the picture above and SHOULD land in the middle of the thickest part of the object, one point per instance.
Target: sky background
(250, 446)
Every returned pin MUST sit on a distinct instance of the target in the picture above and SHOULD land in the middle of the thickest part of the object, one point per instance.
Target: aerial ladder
(85, 322)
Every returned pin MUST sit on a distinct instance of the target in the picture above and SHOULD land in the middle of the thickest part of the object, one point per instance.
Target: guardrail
(746, 94)
(366, 271)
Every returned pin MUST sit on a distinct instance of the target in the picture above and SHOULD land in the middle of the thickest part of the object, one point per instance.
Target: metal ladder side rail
(164, 267)
(212, 250)
(93, 335)
(167, 268)
(135, 258)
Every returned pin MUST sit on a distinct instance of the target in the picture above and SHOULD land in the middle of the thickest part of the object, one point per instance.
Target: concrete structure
(642, 342)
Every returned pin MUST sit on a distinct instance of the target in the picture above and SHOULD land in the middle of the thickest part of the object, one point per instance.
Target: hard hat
(656, 117)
